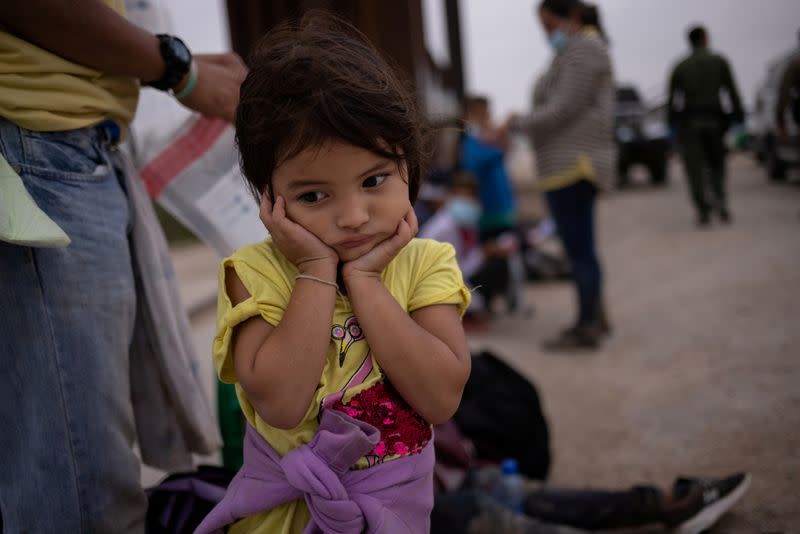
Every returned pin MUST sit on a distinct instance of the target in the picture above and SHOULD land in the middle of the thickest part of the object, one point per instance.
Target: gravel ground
(701, 375)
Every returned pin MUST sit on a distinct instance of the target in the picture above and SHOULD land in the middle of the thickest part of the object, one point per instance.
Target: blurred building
(395, 28)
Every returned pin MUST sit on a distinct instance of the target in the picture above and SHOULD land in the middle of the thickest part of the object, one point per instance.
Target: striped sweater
(571, 125)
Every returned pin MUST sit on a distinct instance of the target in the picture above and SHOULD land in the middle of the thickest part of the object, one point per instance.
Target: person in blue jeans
(69, 83)
(571, 129)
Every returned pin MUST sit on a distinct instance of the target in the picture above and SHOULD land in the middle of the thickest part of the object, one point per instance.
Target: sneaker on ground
(713, 497)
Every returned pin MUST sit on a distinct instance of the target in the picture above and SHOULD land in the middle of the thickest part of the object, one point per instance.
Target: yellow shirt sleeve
(266, 274)
(44, 92)
(437, 278)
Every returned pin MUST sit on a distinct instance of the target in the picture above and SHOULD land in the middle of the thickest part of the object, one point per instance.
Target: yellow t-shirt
(44, 92)
(424, 273)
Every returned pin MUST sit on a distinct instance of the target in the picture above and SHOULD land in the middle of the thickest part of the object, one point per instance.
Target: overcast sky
(505, 49)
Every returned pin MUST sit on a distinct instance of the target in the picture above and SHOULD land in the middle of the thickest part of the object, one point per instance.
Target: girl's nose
(354, 213)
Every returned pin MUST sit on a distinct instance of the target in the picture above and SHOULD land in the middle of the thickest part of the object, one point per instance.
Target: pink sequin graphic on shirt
(403, 431)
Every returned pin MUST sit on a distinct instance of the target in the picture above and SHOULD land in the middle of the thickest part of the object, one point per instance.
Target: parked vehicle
(776, 155)
(642, 137)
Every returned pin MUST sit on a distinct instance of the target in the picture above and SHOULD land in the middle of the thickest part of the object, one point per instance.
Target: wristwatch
(177, 61)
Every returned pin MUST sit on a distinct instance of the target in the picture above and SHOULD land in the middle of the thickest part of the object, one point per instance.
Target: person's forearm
(672, 113)
(87, 32)
(423, 369)
(286, 369)
(784, 93)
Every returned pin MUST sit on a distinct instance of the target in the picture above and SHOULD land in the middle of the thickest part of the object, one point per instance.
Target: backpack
(501, 415)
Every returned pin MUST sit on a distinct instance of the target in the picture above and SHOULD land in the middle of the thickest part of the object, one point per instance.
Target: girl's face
(349, 197)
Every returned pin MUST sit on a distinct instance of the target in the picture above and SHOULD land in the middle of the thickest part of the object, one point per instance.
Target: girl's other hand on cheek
(375, 261)
(300, 246)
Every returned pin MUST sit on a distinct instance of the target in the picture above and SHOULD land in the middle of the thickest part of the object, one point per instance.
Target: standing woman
(571, 129)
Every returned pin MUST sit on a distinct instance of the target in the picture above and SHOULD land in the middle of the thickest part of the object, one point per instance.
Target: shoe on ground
(603, 324)
(703, 220)
(576, 338)
(725, 216)
(698, 503)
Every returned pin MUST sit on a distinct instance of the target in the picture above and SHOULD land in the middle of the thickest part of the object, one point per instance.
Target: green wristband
(188, 89)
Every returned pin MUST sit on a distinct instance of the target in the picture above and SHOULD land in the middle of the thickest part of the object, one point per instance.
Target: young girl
(341, 332)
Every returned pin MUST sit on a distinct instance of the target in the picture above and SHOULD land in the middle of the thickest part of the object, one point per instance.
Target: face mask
(466, 212)
(474, 130)
(558, 39)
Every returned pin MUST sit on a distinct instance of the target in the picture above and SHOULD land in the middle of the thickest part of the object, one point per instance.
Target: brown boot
(603, 324)
(584, 337)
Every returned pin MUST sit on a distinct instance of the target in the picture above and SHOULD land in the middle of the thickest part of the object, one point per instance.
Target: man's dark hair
(320, 80)
(697, 36)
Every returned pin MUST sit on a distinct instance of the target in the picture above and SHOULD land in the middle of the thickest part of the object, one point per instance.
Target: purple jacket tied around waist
(394, 497)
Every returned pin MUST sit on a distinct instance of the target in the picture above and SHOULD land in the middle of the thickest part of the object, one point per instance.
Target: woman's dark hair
(319, 80)
(590, 16)
(562, 8)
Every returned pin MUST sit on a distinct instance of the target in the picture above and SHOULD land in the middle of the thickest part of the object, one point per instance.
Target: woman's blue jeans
(572, 209)
(66, 323)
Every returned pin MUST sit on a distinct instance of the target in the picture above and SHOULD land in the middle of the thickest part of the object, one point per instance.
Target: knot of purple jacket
(394, 496)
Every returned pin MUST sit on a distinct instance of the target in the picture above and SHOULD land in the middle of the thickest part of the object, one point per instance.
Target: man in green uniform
(697, 116)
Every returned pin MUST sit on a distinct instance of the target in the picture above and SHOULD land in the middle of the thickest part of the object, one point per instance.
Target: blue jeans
(572, 208)
(66, 323)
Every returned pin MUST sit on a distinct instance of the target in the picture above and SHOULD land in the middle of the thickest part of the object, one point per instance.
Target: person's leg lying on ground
(475, 512)
(693, 505)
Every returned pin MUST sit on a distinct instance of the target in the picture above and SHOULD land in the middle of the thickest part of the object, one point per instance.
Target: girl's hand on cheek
(300, 246)
(375, 261)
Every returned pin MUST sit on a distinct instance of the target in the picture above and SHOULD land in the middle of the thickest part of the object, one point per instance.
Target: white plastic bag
(188, 162)
(196, 178)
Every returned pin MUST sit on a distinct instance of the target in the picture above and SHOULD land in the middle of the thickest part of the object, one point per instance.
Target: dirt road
(702, 373)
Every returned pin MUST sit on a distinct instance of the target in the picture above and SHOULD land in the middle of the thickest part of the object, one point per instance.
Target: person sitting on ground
(482, 154)
(483, 263)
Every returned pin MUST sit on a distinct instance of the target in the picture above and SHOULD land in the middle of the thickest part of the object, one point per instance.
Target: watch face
(180, 51)
(177, 62)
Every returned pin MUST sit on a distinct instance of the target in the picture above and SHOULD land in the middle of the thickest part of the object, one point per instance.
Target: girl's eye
(312, 197)
(375, 181)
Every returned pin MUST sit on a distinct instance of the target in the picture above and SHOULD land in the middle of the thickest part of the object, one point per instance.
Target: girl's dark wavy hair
(319, 80)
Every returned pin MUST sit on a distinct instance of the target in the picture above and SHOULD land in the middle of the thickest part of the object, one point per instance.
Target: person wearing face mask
(483, 263)
(571, 129)
(482, 154)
